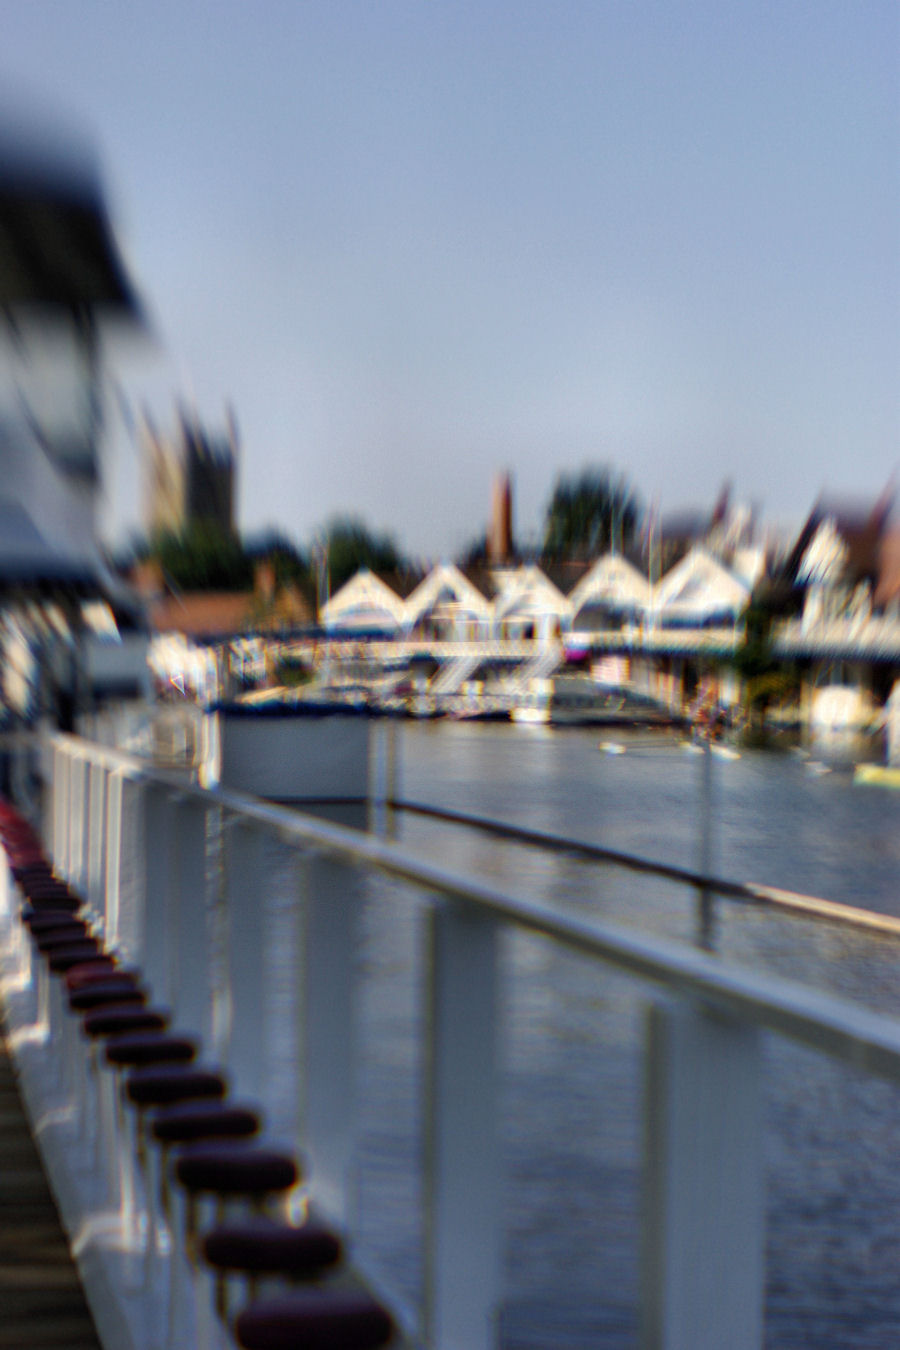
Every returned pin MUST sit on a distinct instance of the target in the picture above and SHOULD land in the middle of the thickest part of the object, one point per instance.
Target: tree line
(588, 514)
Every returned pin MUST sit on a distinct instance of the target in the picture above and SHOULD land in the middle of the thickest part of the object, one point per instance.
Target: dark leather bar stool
(108, 988)
(76, 930)
(48, 920)
(189, 1122)
(46, 888)
(225, 1172)
(164, 1085)
(104, 966)
(124, 1052)
(53, 893)
(260, 1247)
(110, 1019)
(315, 1319)
(61, 900)
(75, 953)
(36, 876)
(115, 1019)
(140, 1049)
(137, 1048)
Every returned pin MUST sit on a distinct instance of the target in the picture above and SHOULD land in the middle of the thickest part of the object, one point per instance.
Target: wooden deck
(42, 1306)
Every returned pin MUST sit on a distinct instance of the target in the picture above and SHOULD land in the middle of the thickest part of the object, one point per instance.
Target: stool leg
(180, 1328)
(42, 1012)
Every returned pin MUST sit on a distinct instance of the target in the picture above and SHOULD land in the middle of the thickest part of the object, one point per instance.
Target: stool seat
(161, 1085)
(28, 861)
(260, 1246)
(104, 966)
(314, 1319)
(117, 1018)
(62, 959)
(186, 1122)
(229, 1170)
(52, 893)
(63, 935)
(149, 1047)
(55, 900)
(98, 993)
(46, 920)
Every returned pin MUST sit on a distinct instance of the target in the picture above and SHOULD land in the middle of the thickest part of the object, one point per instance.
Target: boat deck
(42, 1305)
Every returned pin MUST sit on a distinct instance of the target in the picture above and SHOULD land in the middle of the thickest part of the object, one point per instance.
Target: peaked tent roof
(529, 591)
(446, 576)
(614, 581)
(699, 586)
(363, 601)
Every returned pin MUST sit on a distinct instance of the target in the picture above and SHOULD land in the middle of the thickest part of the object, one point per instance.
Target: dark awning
(56, 245)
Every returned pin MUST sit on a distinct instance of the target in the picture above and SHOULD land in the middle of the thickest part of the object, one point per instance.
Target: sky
(414, 244)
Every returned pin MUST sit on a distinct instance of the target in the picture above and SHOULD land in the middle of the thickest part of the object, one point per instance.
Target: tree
(290, 565)
(349, 545)
(589, 514)
(475, 553)
(765, 677)
(204, 557)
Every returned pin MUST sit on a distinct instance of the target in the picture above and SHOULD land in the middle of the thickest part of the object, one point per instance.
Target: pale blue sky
(416, 243)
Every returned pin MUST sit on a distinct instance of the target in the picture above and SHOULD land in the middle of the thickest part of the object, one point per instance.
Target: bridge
(180, 882)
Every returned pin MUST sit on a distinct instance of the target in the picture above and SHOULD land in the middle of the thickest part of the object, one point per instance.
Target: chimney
(499, 543)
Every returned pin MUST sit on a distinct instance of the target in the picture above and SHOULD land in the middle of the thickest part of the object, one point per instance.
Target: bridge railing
(178, 874)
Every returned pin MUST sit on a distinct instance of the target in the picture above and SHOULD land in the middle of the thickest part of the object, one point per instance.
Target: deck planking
(42, 1304)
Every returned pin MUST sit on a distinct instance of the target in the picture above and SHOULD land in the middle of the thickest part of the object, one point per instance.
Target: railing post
(74, 818)
(462, 1256)
(328, 1037)
(124, 847)
(114, 828)
(383, 773)
(706, 912)
(159, 871)
(97, 776)
(246, 881)
(703, 1219)
(189, 954)
(59, 805)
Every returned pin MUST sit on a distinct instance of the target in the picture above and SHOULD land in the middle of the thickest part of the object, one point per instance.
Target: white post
(246, 881)
(703, 1221)
(97, 775)
(114, 828)
(160, 809)
(124, 879)
(79, 819)
(462, 1195)
(383, 773)
(328, 1087)
(189, 955)
(60, 807)
(74, 801)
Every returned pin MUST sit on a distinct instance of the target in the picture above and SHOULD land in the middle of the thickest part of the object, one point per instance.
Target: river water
(572, 1031)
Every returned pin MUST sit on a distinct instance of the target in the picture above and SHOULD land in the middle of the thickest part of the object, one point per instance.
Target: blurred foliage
(587, 514)
(291, 673)
(349, 544)
(475, 552)
(765, 677)
(204, 557)
(290, 564)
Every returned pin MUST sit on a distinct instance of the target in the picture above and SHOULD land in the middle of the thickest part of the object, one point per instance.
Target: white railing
(139, 842)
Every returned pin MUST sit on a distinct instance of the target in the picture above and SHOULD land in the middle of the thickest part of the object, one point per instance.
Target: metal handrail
(807, 906)
(835, 1026)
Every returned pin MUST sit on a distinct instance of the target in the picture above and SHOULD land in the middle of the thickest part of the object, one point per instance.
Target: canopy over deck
(56, 245)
